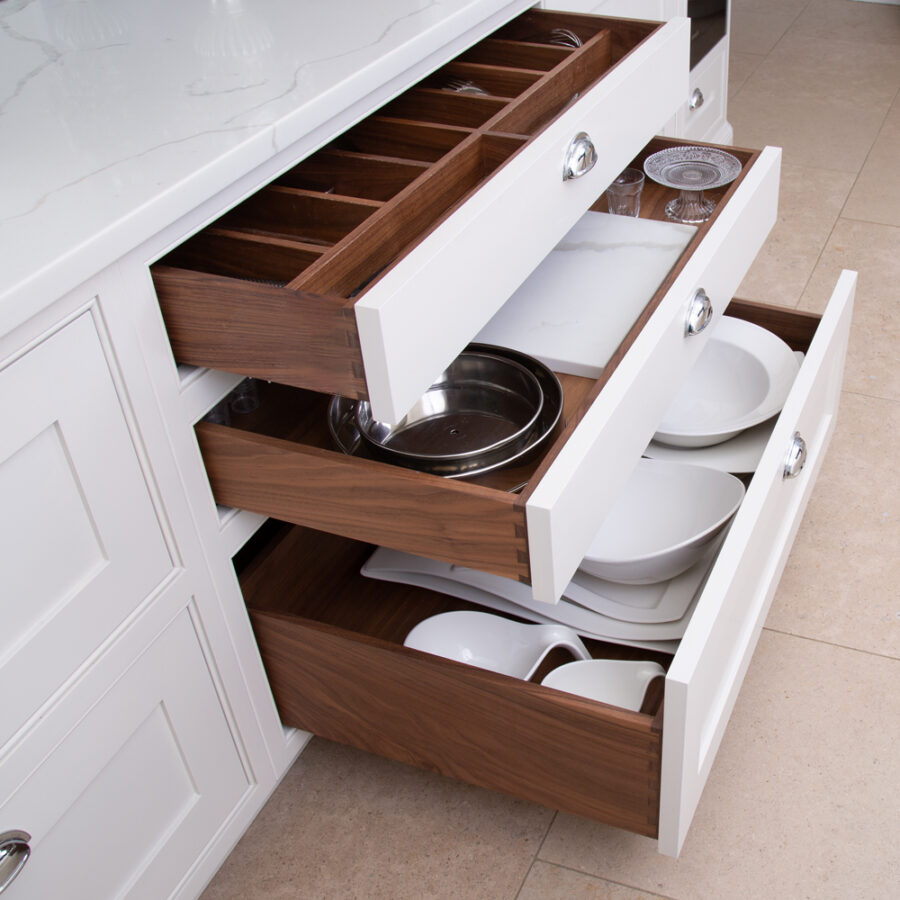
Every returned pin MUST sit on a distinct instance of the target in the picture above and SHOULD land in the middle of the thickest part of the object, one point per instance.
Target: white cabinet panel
(568, 505)
(708, 670)
(128, 799)
(469, 265)
(81, 543)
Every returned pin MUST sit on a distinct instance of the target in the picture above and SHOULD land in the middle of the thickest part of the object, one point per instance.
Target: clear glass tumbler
(624, 194)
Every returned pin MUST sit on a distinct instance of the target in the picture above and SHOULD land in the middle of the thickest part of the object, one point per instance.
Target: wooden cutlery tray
(269, 289)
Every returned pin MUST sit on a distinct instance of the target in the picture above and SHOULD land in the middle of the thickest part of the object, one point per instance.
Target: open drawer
(368, 267)
(282, 462)
(331, 641)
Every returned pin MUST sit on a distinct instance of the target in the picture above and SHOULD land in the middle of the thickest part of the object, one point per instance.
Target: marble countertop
(117, 117)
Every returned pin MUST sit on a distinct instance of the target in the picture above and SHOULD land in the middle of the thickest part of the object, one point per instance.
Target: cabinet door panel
(706, 674)
(126, 802)
(81, 543)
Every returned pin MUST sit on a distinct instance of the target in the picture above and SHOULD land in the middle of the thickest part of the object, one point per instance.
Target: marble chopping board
(578, 304)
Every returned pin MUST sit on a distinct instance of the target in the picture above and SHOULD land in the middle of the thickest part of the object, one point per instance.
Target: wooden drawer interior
(331, 641)
(282, 270)
(281, 461)
(332, 644)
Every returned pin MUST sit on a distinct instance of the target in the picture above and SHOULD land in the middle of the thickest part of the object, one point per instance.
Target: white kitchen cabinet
(82, 545)
(144, 715)
(125, 800)
(318, 623)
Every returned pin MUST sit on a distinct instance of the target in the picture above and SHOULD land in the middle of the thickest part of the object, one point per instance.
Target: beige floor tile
(876, 195)
(842, 580)
(549, 882)
(815, 69)
(758, 25)
(864, 22)
(809, 204)
(801, 802)
(345, 824)
(740, 67)
(873, 362)
(824, 134)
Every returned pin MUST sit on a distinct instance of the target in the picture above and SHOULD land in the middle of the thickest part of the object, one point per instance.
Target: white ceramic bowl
(620, 682)
(666, 518)
(741, 378)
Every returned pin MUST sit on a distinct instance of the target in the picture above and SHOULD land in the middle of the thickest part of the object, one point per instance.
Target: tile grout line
(621, 884)
(536, 857)
(870, 396)
(813, 640)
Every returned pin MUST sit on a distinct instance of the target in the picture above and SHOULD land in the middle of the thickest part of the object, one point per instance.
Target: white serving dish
(511, 597)
(619, 682)
(741, 378)
(665, 520)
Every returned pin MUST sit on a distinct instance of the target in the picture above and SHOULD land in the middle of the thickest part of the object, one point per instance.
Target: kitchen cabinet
(118, 762)
(125, 799)
(318, 623)
(134, 653)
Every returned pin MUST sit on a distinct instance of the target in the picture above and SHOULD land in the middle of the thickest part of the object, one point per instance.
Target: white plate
(665, 519)
(510, 596)
(664, 601)
(739, 455)
(741, 378)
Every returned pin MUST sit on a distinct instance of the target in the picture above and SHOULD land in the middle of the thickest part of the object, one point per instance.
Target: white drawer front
(125, 803)
(567, 507)
(82, 545)
(702, 111)
(703, 682)
(462, 272)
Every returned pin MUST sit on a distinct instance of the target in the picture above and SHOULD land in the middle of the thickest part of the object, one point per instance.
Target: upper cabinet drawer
(281, 460)
(368, 267)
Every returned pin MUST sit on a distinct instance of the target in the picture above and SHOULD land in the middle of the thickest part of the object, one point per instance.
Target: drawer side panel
(269, 332)
(482, 728)
(365, 500)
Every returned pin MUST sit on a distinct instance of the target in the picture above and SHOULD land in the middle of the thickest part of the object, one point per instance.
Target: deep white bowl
(666, 519)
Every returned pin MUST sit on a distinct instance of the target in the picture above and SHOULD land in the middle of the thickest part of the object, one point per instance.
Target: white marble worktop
(117, 117)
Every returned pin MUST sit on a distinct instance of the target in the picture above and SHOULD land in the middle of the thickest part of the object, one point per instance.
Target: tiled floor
(804, 798)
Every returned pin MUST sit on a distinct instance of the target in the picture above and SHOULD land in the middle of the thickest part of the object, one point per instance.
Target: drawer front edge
(568, 506)
(451, 284)
(705, 677)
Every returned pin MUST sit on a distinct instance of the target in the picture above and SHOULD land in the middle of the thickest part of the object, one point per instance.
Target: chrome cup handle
(796, 457)
(14, 853)
(580, 157)
(699, 314)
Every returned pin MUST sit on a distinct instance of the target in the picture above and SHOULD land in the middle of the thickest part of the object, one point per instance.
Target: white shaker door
(80, 542)
(705, 677)
(126, 802)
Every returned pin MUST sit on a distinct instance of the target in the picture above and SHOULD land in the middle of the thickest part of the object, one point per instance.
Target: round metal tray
(343, 423)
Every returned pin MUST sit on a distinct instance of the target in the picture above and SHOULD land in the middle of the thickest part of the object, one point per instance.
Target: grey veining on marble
(119, 117)
(576, 307)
